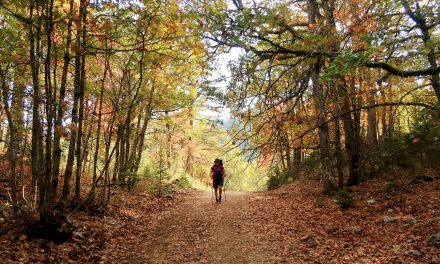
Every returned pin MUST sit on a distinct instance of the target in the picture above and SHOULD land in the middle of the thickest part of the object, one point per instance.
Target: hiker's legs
(215, 186)
(220, 186)
(216, 193)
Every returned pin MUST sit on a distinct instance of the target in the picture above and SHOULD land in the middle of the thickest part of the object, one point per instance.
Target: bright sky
(222, 70)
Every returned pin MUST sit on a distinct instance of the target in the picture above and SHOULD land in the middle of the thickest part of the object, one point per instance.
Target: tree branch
(402, 73)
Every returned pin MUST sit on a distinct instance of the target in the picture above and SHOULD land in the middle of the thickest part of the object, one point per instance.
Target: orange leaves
(61, 131)
(172, 26)
(72, 127)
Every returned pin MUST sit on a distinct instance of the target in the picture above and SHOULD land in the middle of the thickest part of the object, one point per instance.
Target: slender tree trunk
(288, 156)
(168, 144)
(384, 117)
(49, 108)
(76, 97)
(338, 153)
(36, 145)
(144, 126)
(372, 121)
(12, 145)
(59, 130)
(81, 104)
(17, 111)
(98, 130)
(121, 129)
(280, 151)
(116, 175)
(296, 163)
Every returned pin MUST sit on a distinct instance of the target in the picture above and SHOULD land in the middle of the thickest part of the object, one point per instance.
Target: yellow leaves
(172, 26)
(106, 25)
(65, 6)
(198, 48)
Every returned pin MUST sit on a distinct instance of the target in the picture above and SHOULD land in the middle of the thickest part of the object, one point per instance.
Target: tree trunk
(372, 121)
(384, 117)
(351, 144)
(81, 105)
(338, 153)
(98, 130)
(323, 133)
(296, 163)
(36, 145)
(288, 156)
(49, 109)
(76, 97)
(12, 145)
(144, 126)
(17, 111)
(122, 135)
(59, 130)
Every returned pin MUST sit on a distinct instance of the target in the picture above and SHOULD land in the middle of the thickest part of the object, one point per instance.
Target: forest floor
(390, 223)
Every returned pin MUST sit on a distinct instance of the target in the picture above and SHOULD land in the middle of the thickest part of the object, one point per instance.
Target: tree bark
(351, 144)
(371, 121)
(323, 132)
(49, 109)
(59, 130)
(82, 84)
(12, 144)
(76, 97)
(98, 130)
(36, 145)
(296, 163)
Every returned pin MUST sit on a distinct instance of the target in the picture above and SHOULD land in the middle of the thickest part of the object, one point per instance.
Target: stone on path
(388, 219)
(414, 253)
(353, 229)
(434, 239)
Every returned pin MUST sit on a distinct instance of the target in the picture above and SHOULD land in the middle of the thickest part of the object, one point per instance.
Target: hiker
(217, 176)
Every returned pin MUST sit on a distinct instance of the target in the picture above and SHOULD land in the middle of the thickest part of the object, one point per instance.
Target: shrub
(345, 199)
(183, 182)
(407, 152)
(311, 166)
(276, 178)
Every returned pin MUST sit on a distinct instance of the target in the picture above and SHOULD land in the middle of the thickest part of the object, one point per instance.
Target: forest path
(198, 231)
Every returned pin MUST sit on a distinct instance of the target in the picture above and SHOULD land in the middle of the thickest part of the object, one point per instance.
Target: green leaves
(347, 62)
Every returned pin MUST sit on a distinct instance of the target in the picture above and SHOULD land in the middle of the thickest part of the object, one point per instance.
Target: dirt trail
(198, 231)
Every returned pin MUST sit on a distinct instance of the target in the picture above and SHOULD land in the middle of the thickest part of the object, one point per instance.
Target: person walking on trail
(217, 177)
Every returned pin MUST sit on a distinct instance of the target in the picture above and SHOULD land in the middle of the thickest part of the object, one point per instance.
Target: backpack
(218, 172)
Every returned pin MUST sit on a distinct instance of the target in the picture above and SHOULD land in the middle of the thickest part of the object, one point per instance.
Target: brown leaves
(303, 231)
